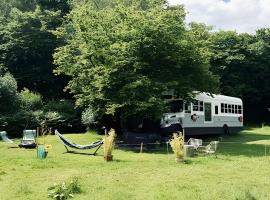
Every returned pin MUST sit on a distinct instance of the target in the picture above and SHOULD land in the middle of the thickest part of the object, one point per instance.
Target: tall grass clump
(177, 144)
(65, 190)
(109, 144)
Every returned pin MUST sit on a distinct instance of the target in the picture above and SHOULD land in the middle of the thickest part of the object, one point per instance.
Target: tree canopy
(241, 61)
(115, 58)
(121, 58)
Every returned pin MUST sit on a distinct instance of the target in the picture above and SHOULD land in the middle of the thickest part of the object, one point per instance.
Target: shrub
(30, 100)
(65, 190)
(46, 119)
(65, 109)
(109, 143)
(177, 144)
(88, 117)
(9, 101)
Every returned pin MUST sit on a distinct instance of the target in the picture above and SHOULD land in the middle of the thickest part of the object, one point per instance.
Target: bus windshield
(175, 106)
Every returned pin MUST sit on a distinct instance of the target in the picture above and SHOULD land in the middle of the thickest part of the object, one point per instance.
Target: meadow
(239, 171)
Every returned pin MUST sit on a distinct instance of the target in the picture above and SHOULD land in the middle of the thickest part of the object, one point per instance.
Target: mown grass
(240, 171)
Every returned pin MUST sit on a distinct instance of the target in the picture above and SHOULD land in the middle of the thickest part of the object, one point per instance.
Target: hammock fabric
(73, 145)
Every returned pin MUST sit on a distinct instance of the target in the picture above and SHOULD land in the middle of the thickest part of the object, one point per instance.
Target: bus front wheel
(226, 130)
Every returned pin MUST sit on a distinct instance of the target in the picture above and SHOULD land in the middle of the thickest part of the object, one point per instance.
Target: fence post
(167, 143)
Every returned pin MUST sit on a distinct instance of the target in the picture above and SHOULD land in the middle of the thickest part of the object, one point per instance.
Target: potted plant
(109, 145)
(177, 144)
(42, 147)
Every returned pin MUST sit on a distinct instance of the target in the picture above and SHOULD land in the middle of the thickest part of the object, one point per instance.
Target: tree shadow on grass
(82, 153)
(242, 144)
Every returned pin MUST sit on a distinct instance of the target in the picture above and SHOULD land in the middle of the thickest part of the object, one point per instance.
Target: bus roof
(217, 97)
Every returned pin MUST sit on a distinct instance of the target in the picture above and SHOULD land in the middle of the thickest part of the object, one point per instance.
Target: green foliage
(121, 58)
(65, 190)
(26, 48)
(65, 114)
(16, 109)
(242, 62)
(88, 117)
(47, 119)
(25, 109)
(8, 94)
(30, 100)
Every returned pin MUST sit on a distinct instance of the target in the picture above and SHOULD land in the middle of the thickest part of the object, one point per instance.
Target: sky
(239, 15)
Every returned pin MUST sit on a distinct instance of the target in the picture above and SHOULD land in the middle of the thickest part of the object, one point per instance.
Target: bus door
(207, 112)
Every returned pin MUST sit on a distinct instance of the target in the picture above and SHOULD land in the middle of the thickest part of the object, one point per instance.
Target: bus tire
(226, 130)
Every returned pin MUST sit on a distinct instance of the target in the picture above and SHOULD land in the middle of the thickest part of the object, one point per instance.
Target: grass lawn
(240, 171)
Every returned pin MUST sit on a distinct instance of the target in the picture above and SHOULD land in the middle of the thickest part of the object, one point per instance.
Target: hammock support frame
(68, 144)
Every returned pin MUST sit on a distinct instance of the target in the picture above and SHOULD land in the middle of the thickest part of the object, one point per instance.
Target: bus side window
(226, 108)
(233, 109)
(216, 110)
(195, 106)
(239, 109)
(222, 107)
(229, 108)
(201, 105)
(187, 108)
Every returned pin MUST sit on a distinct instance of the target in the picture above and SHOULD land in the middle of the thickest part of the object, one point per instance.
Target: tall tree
(26, 48)
(121, 58)
(241, 62)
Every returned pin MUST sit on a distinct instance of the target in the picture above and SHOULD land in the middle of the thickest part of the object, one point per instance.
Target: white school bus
(207, 114)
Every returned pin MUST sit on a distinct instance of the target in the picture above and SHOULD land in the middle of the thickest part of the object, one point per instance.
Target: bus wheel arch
(178, 127)
(226, 130)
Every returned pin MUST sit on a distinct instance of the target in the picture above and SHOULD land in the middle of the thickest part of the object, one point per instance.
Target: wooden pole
(141, 152)
(184, 134)
(37, 135)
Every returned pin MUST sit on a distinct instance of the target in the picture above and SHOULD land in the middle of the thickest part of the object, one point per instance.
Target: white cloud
(239, 15)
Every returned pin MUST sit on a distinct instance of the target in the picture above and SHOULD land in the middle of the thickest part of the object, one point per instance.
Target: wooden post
(167, 143)
(43, 133)
(141, 152)
(37, 135)
(184, 134)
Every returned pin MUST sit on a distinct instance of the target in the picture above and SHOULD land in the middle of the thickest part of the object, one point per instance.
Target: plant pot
(41, 152)
(108, 158)
(179, 159)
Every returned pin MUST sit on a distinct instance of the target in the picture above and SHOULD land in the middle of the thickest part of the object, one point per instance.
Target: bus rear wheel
(226, 130)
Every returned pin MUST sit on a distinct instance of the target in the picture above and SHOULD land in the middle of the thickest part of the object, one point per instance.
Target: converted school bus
(207, 114)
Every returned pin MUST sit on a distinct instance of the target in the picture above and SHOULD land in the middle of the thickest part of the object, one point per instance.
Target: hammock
(73, 145)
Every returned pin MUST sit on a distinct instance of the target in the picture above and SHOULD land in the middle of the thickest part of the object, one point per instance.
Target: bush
(9, 101)
(47, 119)
(30, 100)
(88, 117)
(26, 109)
(109, 143)
(68, 116)
(65, 190)
(177, 144)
